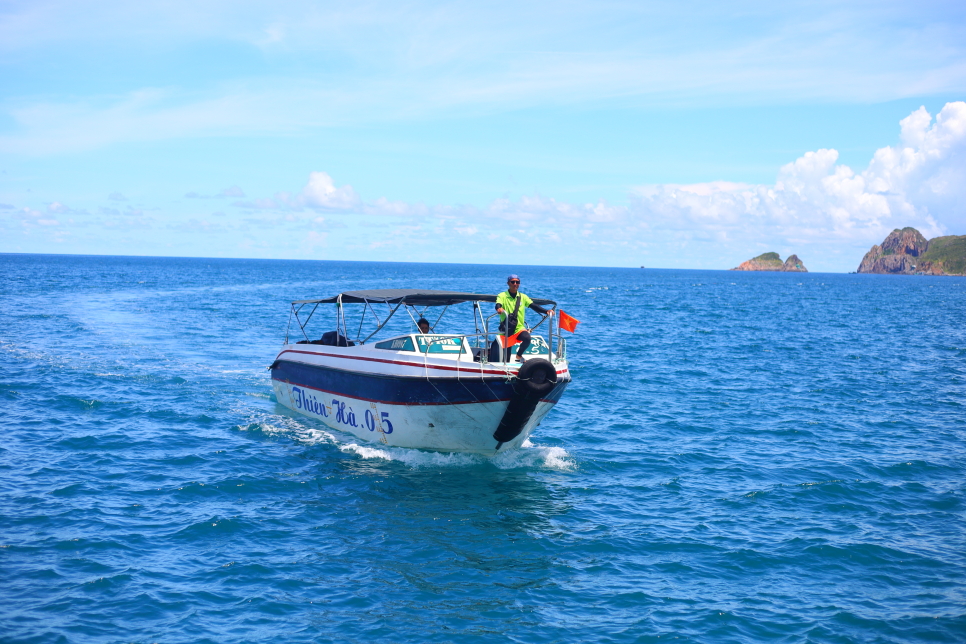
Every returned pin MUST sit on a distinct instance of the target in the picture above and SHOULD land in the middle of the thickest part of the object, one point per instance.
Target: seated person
(423, 325)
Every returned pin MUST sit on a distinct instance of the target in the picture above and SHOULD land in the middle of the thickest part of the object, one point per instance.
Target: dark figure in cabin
(423, 325)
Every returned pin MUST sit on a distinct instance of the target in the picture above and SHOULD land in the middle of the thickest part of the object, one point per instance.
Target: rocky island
(773, 262)
(906, 252)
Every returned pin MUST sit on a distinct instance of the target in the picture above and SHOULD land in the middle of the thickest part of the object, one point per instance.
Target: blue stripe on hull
(399, 390)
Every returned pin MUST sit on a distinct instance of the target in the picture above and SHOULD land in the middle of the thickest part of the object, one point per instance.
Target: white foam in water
(530, 455)
(279, 424)
(414, 458)
(302, 434)
(527, 456)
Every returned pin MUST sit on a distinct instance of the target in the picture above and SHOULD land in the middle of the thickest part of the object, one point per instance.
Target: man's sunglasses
(513, 282)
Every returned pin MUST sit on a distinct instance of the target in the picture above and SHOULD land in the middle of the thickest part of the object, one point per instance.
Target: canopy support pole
(440, 316)
(389, 317)
(288, 327)
(415, 323)
(299, 320)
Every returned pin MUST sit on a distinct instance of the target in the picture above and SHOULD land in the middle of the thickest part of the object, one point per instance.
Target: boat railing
(561, 343)
(484, 342)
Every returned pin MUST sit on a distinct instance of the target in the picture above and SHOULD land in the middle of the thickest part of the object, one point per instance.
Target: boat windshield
(454, 345)
(425, 344)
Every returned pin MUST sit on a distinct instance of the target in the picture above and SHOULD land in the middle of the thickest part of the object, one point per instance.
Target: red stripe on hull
(400, 362)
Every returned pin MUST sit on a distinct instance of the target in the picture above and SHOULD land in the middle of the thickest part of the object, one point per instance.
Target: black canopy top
(420, 297)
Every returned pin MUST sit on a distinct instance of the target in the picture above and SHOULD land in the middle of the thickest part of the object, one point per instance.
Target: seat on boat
(331, 339)
(494, 353)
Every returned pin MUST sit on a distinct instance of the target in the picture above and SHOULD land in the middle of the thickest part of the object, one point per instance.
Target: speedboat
(450, 392)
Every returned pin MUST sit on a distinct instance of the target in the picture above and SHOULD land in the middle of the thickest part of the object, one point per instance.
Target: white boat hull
(437, 403)
(464, 427)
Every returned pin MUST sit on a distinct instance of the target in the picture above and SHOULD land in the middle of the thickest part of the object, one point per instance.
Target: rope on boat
(441, 394)
(459, 379)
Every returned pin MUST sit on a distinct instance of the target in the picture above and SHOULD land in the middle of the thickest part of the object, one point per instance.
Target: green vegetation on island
(769, 257)
(950, 252)
(773, 262)
(906, 252)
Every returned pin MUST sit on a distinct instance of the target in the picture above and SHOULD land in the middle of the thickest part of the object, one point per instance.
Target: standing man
(512, 306)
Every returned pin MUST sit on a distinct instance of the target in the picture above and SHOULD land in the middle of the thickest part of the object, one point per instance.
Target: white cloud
(29, 217)
(321, 193)
(814, 200)
(815, 205)
(930, 167)
(826, 212)
(383, 206)
(701, 189)
(233, 191)
(921, 183)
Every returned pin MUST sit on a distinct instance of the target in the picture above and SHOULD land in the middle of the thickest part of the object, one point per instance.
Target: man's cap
(513, 277)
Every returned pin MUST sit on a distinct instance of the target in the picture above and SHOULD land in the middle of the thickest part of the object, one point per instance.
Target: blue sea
(741, 457)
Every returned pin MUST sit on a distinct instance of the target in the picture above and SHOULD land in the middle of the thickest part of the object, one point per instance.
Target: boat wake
(527, 456)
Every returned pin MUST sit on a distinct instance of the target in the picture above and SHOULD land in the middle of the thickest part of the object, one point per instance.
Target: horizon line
(362, 261)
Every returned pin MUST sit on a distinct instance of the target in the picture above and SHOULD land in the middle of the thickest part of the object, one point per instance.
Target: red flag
(568, 323)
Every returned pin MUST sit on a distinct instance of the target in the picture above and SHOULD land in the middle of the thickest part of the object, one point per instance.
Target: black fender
(536, 376)
(535, 379)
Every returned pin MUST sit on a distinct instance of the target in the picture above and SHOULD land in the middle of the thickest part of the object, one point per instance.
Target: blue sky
(666, 134)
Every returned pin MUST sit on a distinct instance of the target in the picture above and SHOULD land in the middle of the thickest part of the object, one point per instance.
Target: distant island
(773, 262)
(906, 252)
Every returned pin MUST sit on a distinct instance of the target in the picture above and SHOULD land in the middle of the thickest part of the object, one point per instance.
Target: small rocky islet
(903, 252)
(906, 252)
(773, 262)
